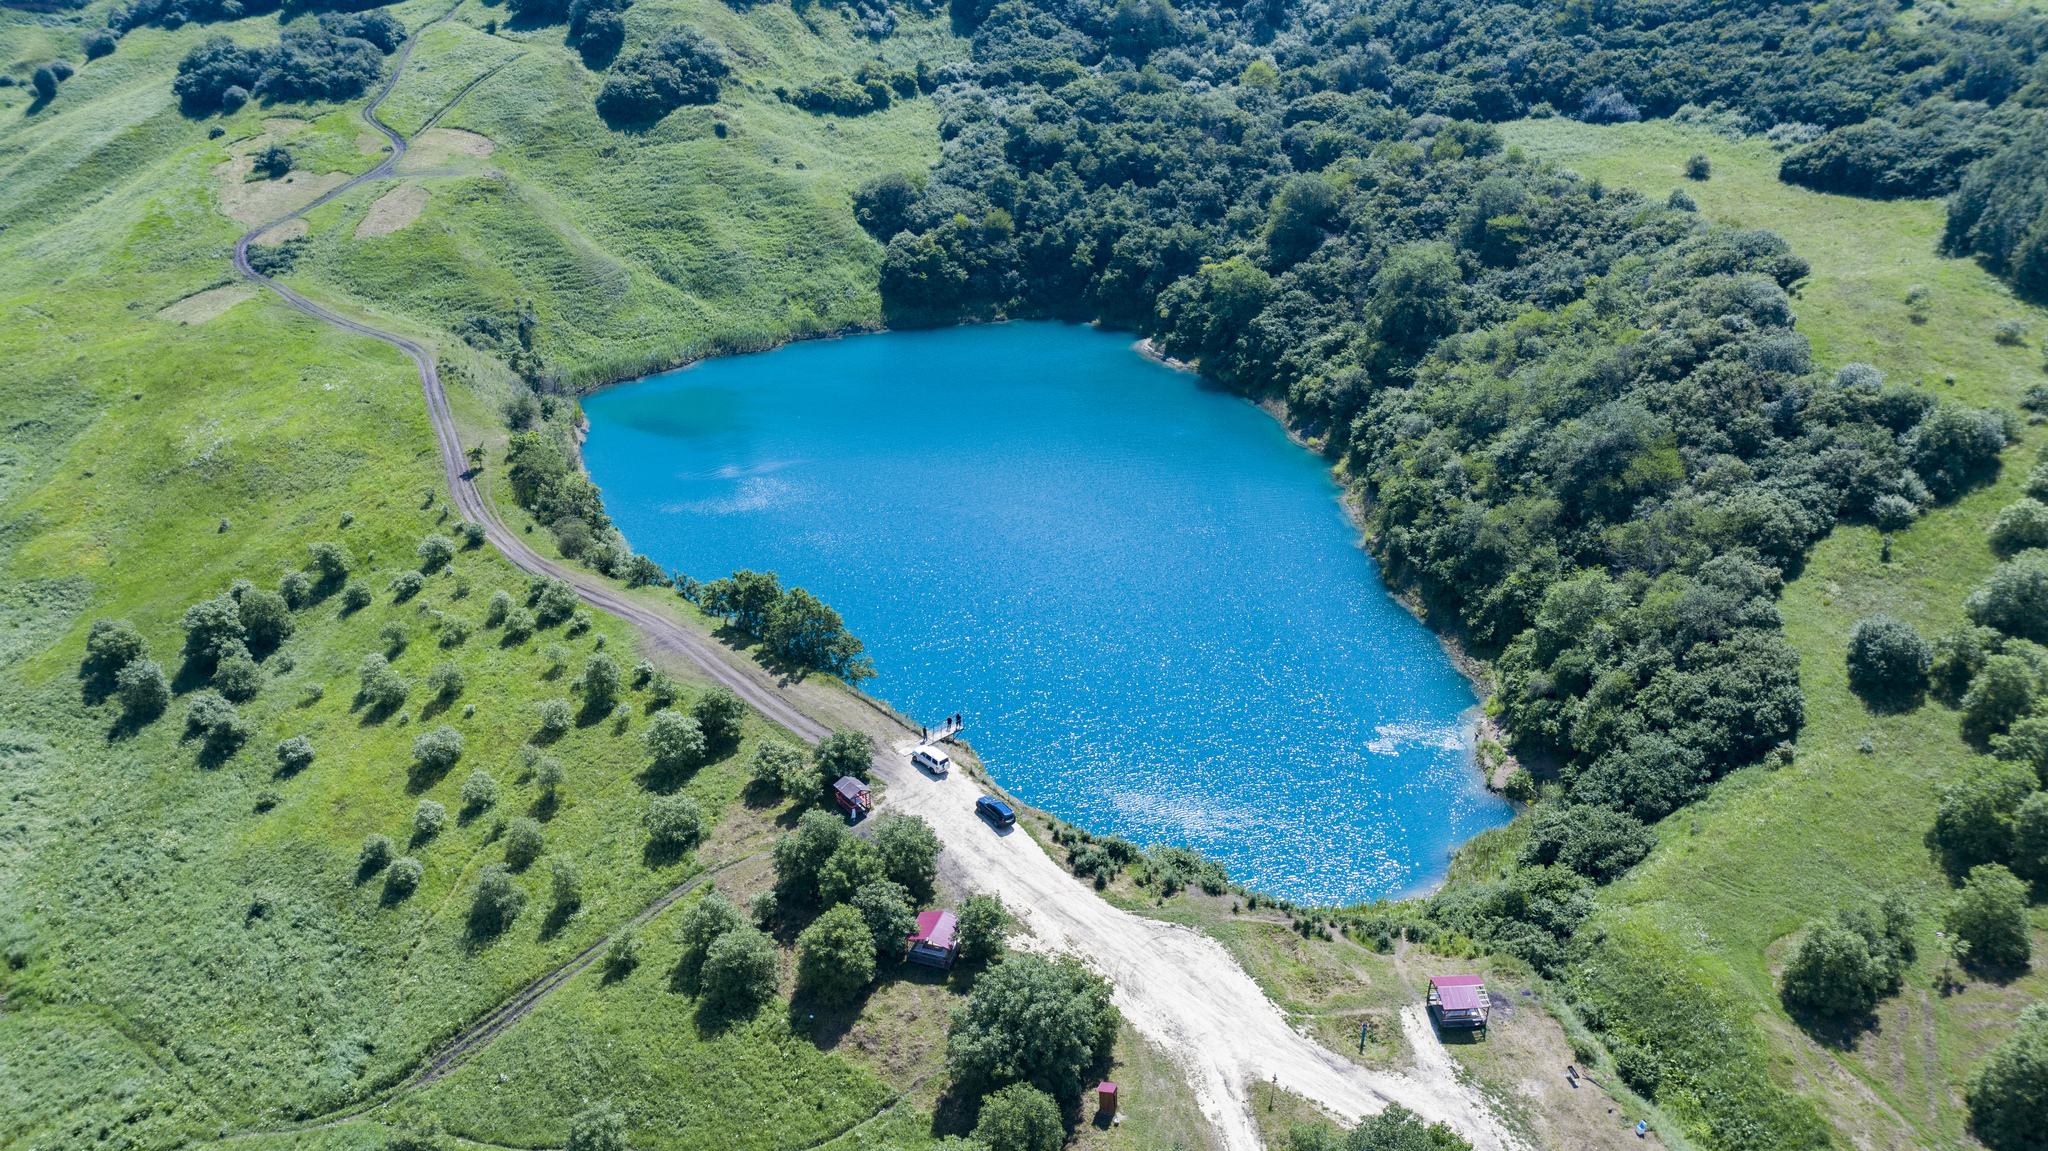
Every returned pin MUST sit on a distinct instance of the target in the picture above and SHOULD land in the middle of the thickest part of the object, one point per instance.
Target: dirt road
(1179, 988)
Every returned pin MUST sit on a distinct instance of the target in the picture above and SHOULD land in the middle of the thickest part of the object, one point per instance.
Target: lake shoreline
(1470, 726)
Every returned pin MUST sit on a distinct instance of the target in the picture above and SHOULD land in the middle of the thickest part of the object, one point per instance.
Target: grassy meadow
(1738, 875)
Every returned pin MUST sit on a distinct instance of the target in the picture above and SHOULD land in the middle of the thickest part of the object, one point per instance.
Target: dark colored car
(995, 811)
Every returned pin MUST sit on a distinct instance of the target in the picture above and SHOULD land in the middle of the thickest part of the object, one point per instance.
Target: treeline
(335, 62)
(871, 88)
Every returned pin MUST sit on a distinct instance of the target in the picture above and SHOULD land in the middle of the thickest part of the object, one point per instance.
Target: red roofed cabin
(935, 944)
(853, 796)
(1458, 1000)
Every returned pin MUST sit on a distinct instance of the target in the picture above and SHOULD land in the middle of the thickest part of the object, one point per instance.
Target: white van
(932, 759)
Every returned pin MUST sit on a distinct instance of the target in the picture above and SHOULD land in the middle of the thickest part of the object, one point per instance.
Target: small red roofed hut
(1105, 1098)
(853, 796)
(935, 943)
(1458, 1000)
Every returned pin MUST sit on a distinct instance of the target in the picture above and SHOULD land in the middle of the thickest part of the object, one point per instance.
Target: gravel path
(1179, 988)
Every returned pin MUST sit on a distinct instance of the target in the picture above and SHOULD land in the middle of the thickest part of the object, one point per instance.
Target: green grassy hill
(190, 949)
(1739, 874)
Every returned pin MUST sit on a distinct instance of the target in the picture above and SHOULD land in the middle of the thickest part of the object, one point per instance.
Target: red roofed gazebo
(934, 944)
(1458, 1000)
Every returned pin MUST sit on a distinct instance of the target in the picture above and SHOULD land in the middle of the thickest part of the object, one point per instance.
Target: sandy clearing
(396, 209)
(251, 202)
(436, 147)
(289, 230)
(203, 306)
(1179, 988)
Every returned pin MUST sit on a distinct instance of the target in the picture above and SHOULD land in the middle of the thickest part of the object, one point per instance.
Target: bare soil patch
(251, 202)
(394, 210)
(203, 306)
(437, 147)
(289, 230)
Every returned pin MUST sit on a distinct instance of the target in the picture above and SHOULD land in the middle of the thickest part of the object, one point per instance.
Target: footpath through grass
(1739, 874)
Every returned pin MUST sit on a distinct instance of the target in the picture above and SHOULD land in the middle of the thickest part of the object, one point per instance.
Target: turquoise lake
(1148, 603)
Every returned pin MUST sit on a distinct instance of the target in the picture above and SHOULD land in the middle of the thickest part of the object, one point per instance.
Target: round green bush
(739, 971)
(565, 885)
(720, 713)
(434, 552)
(674, 823)
(113, 644)
(406, 585)
(2008, 1093)
(266, 618)
(294, 755)
(1990, 915)
(835, 955)
(555, 717)
(2021, 525)
(1887, 655)
(674, 741)
(524, 842)
(499, 606)
(496, 903)
(598, 1129)
(404, 877)
(143, 689)
(427, 818)
(601, 682)
(706, 921)
(778, 767)
(238, 678)
(1020, 1117)
(439, 749)
(378, 686)
(984, 928)
(447, 680)
(376, 854)
(356, 596)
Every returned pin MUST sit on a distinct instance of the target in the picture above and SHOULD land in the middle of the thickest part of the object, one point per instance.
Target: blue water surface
(1148, 603)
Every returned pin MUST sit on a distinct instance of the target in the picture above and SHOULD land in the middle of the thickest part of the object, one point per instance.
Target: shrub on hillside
(1596, 842)
(479, 791)
(266, 618)
(983, 928)
(294, 755)
(1990, 915)
(852, 865)
(524, 842)
(1954, 447)
(273, 160)
(1032, 1020)
(555, 717)
(2021, 525)
(356, 596)
(97, 43)
(113, 644)
(2030, 841)
(1020, 1117)
(376, 855)
(887, 909)
(598, 1128)
(378, 687)
(215, 718)
(843, 753)
(778, 767)
(2008, 1092)
(406, 585)
(739, 971)
(434, 552)
(143, 689)
(802, 630)
(1846, 964)
(702, 925)
(1874, 158)
(682, 67)
(835, 955)
(238, 678)
(565, 886)
(496, 902)
(438, 750)
(720, 714)
(447, 680)
(497, 608)
(211, 625)
(519, 625)
(800, 853)
(2001, 693)
(404, 877)
(1974, 820)
(330, 561)
(1698, 167)
(1887, 658)
(675, 823)
(674, 742)
(427, 819)
(910, 853)
(1893, 513)
(600, 682)
(1651, 777)
(553, 600)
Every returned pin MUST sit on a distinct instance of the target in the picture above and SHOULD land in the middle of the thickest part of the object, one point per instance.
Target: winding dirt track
(1180, 989)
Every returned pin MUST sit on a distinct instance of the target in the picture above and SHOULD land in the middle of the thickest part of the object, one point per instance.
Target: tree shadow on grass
(545, 805)
(422, 776)
(662, 853)
(95, 684)
(1835, 1032)
(955, 1112)
(1884, 699)
(827, 1024)
(664, 780)
(129, 724)
(558, 917)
